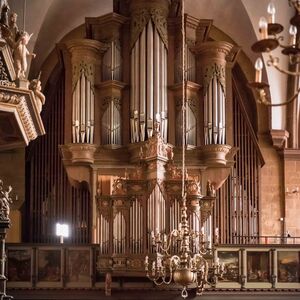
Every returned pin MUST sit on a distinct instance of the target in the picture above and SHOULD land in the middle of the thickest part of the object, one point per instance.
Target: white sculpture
(20, 55)
(36, 87)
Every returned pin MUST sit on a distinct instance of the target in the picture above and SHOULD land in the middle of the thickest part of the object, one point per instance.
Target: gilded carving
(119, 187)
(155, 146)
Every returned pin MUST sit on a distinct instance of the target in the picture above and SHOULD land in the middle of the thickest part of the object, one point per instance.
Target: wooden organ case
(123, 126)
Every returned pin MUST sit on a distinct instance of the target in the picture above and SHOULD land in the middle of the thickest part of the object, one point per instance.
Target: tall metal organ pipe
(148, 98)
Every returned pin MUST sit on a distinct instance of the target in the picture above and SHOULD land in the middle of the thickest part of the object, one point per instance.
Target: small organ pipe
(215, 112)
(156, 73)
(150, 71)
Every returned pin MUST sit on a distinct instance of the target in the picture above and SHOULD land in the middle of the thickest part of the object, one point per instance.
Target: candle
(293, 35)
(258, 70)
(179, 227)
(157, 117)
(271, 12)
(263, 28)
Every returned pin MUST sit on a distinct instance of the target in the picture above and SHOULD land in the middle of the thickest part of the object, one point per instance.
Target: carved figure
(13, 30)
(36, 87)
(20, 54)
(108, 281)
(5, 201)
(210, 189)
(4, 7)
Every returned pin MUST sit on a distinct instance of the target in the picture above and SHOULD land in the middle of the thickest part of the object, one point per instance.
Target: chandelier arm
(287, 72)
(166, 250)
(266, 102)
(171, 276)
(295, 5)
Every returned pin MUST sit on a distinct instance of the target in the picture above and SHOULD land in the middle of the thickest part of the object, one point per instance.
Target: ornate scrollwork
(155, 146)
(23, 110)
(212, 71)
(3, 72)
(107, 100)
(140, 19)
(5, 201)
(86, 69)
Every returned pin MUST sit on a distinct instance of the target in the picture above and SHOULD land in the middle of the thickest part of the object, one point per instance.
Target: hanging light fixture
(182, 256)
(269, 40)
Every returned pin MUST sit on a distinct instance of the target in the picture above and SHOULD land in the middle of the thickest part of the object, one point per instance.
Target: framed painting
(49, 267)
(79, 267)
(258, 266)
(288, 266)
(19, 267)
(229, 263)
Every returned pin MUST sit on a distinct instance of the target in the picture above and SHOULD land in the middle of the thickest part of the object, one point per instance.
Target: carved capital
(279, 138)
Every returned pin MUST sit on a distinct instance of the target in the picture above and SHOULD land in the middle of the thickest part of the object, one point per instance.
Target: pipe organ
(148, 95)
(128, 85)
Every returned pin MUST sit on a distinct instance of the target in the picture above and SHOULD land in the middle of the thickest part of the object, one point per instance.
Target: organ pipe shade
(148, 96)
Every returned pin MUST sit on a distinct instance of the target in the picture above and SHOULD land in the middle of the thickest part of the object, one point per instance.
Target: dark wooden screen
(50, 197)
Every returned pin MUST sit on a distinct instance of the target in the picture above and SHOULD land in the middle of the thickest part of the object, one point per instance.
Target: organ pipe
(148, 84)
(111, 69)
(214, 113)
(83, 111)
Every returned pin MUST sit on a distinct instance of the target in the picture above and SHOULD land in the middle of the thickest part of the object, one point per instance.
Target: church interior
(149, 148)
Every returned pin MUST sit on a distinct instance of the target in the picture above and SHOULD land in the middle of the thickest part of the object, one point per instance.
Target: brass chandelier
(183, 256)
(270, 40)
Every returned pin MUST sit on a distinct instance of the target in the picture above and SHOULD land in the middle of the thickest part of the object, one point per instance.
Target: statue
(20, 54)
(13, 30)
(5, 201)
(4, 12)
(36, 87)
(210, 189)
(108, 281)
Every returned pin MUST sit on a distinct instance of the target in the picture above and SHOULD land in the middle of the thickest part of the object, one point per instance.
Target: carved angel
(36, 87)
(20, 54)
(5, 201)
(13, 31)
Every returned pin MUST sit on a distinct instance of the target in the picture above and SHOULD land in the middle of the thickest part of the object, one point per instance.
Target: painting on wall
(79, 265)
(19, 265)
(229, 262)
(258, 266)
(288, 266)
(49, 265)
